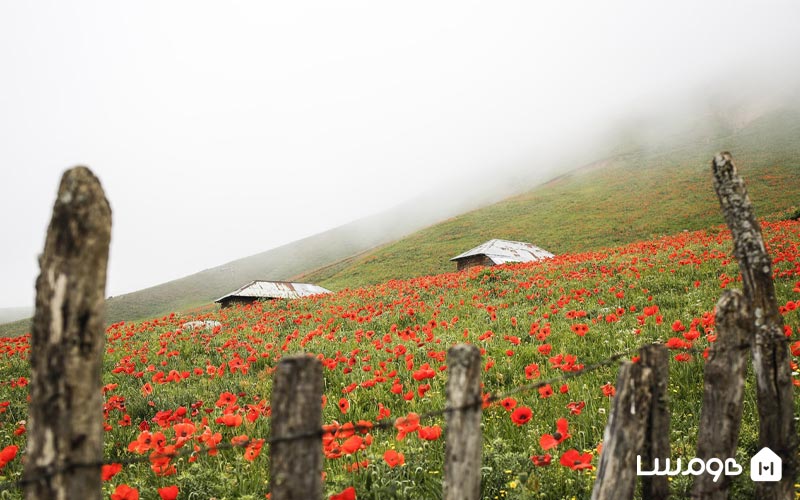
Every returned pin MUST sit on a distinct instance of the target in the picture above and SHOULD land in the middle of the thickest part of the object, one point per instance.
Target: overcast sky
(222, 129)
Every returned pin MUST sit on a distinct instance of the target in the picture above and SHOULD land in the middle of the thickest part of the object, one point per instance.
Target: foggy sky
(223, 129)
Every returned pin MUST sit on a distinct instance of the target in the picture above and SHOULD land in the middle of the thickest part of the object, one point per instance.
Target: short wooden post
(296, 463)
(656, 439)
(723, 392)
(65, 415)
(770, 351)
(624, 434)
(462, 464)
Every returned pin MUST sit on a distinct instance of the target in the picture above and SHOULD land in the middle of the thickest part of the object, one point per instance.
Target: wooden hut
(495, 252)
(269, 290)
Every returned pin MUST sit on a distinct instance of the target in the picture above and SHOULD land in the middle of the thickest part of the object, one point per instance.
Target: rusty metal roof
(275, 290)
(503, 251)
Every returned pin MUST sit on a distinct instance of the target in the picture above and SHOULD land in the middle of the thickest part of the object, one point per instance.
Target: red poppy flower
(508, 403)
(125, 492)
(348, 493)
(142, 444)
(253, 449)
(608, 390)
(225, 399)
(580, 329)
(541, 460)
(168, 492)
(549, 441)
(394, 458)
(8, 454)
(521, 415)
(532, 371)
(576, 408)
(429, 433)
(183, 432)
(383, 412)
(406, 425)
(109, 471)
(230, 420)
(576, 461)
(353, 444)
(344, 405)
(545, 391)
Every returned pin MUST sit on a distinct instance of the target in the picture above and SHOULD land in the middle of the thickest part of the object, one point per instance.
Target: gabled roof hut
(269, 290)
(495, 252)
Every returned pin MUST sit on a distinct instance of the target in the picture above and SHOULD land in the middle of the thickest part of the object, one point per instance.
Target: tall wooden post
(624, 435)
(770, 352)
(296, 464)
(65, 419)
(462, 455)
(723, 392)
(656, 439)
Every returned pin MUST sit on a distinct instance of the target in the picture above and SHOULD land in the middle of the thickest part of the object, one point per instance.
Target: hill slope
(641, 189)
(200, 289)
(8, 314)
(633, 195)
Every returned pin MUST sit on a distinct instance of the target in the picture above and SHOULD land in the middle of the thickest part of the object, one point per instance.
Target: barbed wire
(372, 425)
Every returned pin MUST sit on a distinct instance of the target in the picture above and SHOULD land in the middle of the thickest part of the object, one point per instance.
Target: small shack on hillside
(495, 252)
(269, 290)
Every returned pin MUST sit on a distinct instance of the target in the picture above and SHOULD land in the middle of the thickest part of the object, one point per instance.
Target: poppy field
(194, 393)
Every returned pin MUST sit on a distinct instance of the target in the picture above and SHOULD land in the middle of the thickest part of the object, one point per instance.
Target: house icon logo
(765, 466)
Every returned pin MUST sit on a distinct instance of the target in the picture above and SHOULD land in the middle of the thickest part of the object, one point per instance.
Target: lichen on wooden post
(296, 462)
(462, 462)
(770, 352)
(65, 416)
(723, 392)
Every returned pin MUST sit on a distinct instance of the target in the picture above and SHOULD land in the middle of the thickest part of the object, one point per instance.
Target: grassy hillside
(323, 249)
(643, 188)
(641, 192)
(383, 349)
(14, 313)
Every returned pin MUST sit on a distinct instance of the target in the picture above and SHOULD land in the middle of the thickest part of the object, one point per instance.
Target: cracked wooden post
(723, 392)
(65, 415)
(657, 431)
(296, 464)
(624, 434)
(462, 455)
(770, 351)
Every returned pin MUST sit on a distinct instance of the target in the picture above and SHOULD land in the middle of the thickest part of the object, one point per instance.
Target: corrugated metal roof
(503, 251)
(276, 290)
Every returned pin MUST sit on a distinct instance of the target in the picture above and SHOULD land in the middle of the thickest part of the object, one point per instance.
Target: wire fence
(368, 426)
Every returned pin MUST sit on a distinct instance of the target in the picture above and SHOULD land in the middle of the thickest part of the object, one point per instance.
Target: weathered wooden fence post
(723, 392)
(657, 432)
(770, 352)
(462, 462)
(624, 434)
(65, 416)
(296, 464)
